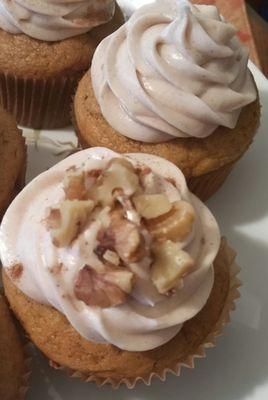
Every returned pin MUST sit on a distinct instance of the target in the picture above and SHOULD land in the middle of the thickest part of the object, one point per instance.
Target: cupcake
(173, 82)
(123, 274)
(13, 368)
(46, 46)
(12, 160)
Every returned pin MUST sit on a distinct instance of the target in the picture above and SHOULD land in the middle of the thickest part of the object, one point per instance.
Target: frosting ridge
(53, 20)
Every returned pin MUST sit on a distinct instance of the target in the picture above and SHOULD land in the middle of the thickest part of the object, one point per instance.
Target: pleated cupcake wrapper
(38, 103)
(27, 372)
(189, 362)
(204, 186)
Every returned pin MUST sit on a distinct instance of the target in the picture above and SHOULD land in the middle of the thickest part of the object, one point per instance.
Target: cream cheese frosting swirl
(53, 20)
(173, 70)
(147, 319)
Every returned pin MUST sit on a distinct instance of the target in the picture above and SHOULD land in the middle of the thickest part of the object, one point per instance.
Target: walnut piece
(74, 184)
(65, 223)
(176, 225)
(103, 290)
(152, 205)
(123, 237)
(111, 257)
(170, 266)
(119, 174)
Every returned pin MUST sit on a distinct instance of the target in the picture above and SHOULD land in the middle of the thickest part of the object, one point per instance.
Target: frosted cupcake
(46, 46)
(173, 81)
(120, 272)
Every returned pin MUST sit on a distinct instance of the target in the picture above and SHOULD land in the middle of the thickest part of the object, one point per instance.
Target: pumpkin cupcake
(46, 46)
(12, 160)
(123, 274)
(13, 368)
(174, 82)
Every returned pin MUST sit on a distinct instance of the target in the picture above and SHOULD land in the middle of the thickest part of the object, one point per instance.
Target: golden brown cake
(184, 94)
(13, 371)
(126, 276)
(38, 78)
(12, 160)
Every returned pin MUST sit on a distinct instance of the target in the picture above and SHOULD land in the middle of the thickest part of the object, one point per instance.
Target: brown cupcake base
(206, 163)
(14, 358)
(106, 364)
(12, 161)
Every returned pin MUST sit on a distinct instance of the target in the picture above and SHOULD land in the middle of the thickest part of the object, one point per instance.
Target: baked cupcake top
(52, 20)
(116, 243)
(173, 70)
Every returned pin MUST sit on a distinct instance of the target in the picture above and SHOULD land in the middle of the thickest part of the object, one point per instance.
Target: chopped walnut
(103, 290)
(119, 175)
(176, 225)
(74, 184)
(111, 257)
(170, 266)
(65, 223)
(152, 205)
(123, 237)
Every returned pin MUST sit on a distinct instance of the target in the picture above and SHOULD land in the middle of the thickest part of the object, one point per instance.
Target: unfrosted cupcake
(46, 46)
(174, 82)
(12, 160)
(123, 274)
(14, 370)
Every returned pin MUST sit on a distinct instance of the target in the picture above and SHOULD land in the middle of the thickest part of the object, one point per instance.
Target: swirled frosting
(52, 20)
(173, 70)
(147, 319)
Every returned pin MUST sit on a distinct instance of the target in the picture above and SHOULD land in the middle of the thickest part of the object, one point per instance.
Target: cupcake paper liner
(38, 103)
(27, 372)
(204, 186)
(189, 361)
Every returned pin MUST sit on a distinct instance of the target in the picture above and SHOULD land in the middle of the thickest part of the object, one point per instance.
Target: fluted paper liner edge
(27, 372)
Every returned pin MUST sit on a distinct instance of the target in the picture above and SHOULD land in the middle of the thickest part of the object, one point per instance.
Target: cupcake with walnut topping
(123, 272)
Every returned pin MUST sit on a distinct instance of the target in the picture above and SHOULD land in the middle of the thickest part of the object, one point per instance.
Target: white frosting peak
(173, 70)
(52, 20)
(147, 319)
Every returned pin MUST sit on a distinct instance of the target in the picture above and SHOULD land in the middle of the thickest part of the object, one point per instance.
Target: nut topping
(65, 223)
(120, 174)
(124, 237)
(74, 184)
(111, 257)
(176, 225)
(103, 290)
(152, 205)
(170, 266)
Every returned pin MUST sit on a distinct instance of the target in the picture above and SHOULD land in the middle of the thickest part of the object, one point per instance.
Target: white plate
(237, 369)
